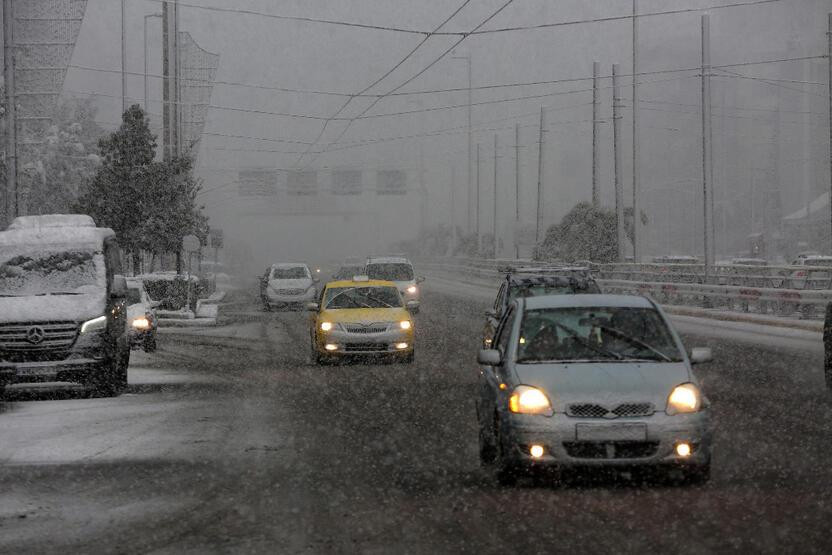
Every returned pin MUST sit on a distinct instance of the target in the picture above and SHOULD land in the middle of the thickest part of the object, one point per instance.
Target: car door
(490, 377)
(492, 318)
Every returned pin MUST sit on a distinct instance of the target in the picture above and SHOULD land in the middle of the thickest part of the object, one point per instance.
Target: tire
(149, 343)
(314, 356)
(488, 451)
(408, 359)
(505, 471)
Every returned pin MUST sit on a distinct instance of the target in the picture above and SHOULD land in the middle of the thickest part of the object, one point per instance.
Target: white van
(62, 304)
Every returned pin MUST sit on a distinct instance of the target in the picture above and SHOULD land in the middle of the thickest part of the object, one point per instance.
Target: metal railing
(792, 291)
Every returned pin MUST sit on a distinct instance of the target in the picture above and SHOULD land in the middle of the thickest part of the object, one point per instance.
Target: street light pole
(11, 115)
(123, 61)
(637, 250)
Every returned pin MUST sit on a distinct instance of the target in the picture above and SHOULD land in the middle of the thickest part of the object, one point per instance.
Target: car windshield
(392, 271)
(294, 272)
(362, 297)
(28, 270)
(134, 295)
(592, 333)
(347, 272)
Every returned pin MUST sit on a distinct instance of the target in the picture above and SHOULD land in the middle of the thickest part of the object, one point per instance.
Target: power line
(377, 81)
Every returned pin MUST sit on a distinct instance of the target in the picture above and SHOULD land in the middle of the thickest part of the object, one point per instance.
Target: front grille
(366, 328)
(595, 410)
(33, 356)
(365, 347)
(37, 337)
(611, 449)
(291, 291)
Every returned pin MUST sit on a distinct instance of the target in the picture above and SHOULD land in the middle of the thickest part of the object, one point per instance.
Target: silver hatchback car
(591, 380)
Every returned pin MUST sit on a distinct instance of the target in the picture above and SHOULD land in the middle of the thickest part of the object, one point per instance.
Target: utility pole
(540, 173)
(636, 208)
(470, 172)
(707, 162)
(477, 219)
(170, 71)
(123, 61)
(495, 195)
(146, 61)
(596, 68)
(829, 60)
(616, 146)
(11, 112)
(452, 210)
(516, 188)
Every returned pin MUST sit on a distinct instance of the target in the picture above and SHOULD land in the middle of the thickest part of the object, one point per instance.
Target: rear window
(390, 271)
(295, 272)
(522, 291)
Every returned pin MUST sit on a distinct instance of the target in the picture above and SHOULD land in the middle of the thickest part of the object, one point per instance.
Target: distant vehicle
(800, 278)
(288, 284)
(347, 272)
(399, 270)
(591, 380)
(534, 282)
(674, 259)
(361, 316)
(63, 315)
(749, 262)
(141, 317)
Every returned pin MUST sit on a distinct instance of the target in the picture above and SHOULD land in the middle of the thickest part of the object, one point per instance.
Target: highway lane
(230, 440)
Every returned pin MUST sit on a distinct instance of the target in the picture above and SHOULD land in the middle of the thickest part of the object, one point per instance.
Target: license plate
(611, 432)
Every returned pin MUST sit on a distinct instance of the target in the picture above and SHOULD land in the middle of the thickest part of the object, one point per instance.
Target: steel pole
(636, 205)
(11, 111)
(540, 173)
(477, 218)
(516, 188)
(470, 140)
(495, 196)
(829, 60)
(707, 172)
(123, 61)
(596, 69)
(616, 146)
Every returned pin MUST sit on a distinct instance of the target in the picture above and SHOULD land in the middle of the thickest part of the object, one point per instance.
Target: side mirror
(312, 307)
(701, 355)
(420, 279)
(411, 305)
(119, 288)
(491, 313)
(489, 357)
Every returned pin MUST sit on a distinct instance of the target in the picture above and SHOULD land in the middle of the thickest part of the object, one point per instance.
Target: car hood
(52, 308)
(606, 383)
(300, 283)
(365, 315)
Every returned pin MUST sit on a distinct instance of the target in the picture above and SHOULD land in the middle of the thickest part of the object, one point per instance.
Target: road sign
(215, 235)
(190, 243)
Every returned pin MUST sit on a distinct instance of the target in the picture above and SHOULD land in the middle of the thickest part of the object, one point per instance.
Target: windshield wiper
(636, 342)
(378, 301)
(586, 343)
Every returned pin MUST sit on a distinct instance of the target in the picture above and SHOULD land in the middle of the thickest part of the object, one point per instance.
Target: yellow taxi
(361, 317)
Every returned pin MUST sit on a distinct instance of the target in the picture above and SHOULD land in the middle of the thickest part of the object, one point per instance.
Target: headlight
(412, 289)
(684, 398)
(141, 323)
(529, 400)
(326, 326)
(405, 324)
(94, 325)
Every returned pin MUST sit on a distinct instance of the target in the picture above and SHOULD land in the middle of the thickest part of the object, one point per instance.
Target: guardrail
(757, 289)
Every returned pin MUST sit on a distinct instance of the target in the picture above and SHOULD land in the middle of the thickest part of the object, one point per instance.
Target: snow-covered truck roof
(48, 230)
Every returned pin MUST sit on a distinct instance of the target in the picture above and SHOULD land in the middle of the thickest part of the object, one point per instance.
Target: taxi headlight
(412, 289)
(684, 398)
(405, 324)
(326, 326)
(529, 400)
(95, 324)
(141, 323)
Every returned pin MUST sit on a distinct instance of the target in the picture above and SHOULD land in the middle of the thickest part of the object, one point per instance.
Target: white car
(399, 270)
(141, 317)
(289, 284)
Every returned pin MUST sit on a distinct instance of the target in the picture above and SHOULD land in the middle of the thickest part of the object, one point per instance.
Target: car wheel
(408, 359)
(488, 451)
(149, 343)
(696, 474)
(505, 471)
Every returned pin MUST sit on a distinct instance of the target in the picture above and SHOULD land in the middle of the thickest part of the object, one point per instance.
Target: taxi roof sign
(361, 278)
